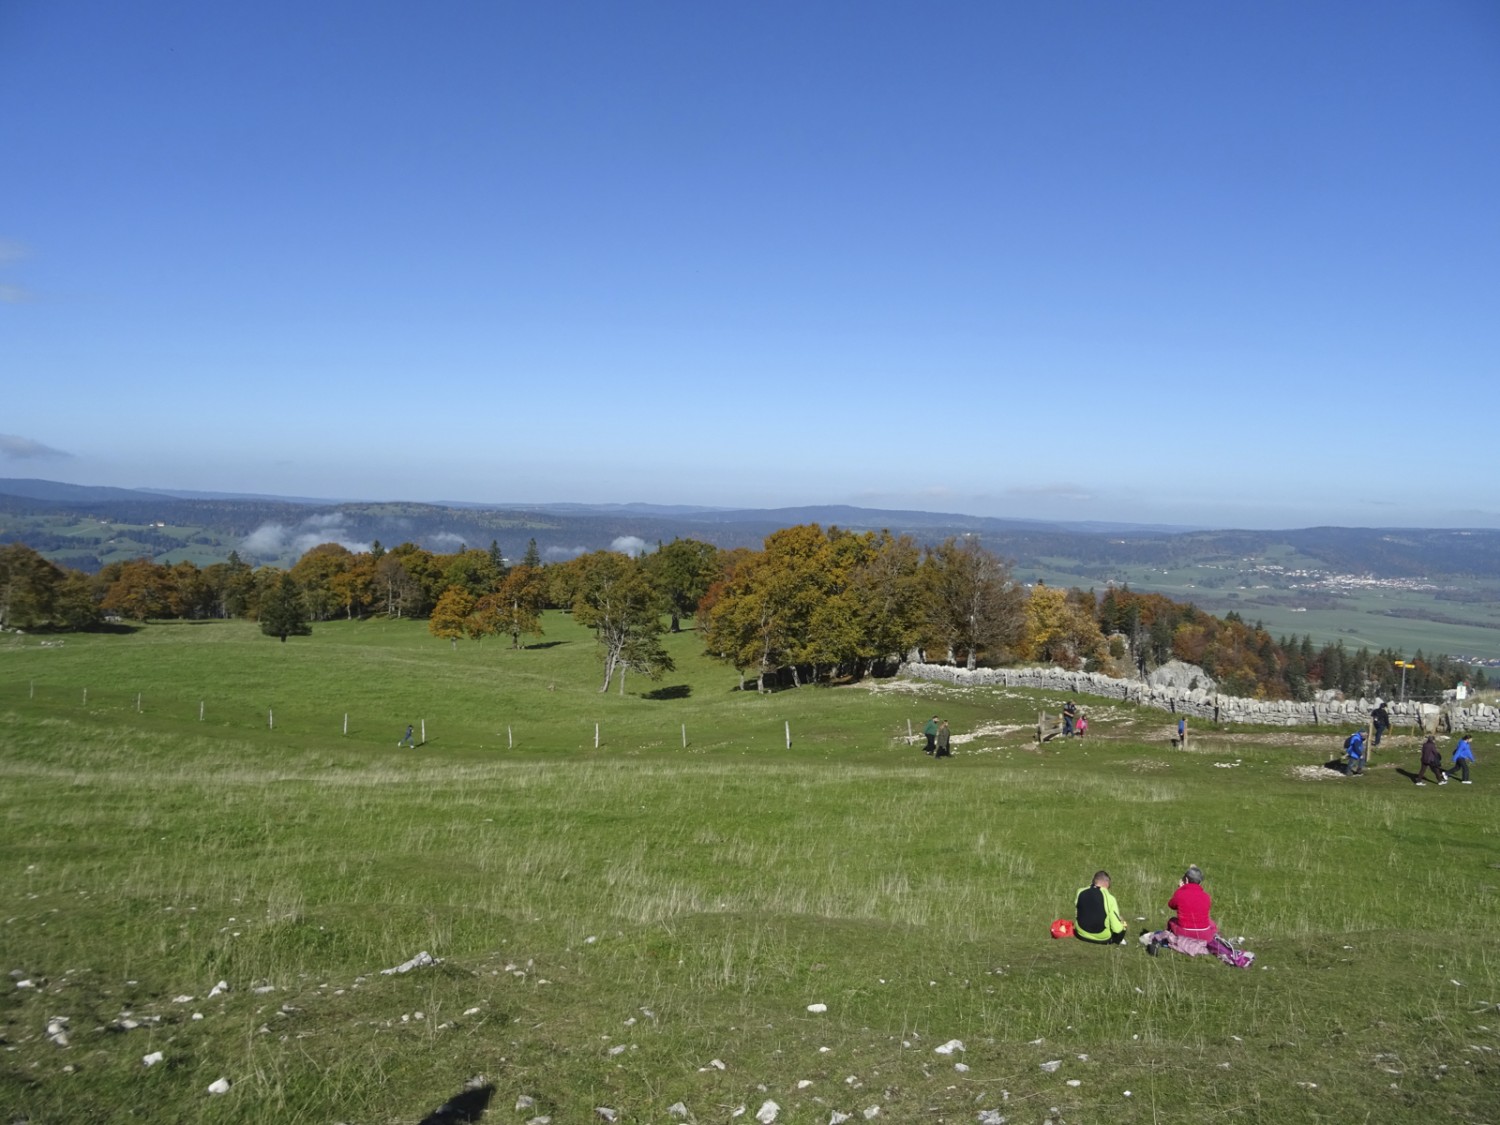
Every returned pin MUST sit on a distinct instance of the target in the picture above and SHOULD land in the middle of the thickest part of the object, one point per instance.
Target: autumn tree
(282, 611)
(28, 587)
(450, 616)
(516, 607)
(1059, 629)
(973, 604)
(616, 600)
(317, 573)
(140, 591)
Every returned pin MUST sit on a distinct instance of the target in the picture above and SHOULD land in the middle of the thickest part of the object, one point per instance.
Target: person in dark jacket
(1381, 721)
(944, 736)
(1098, 913)
(930, 731)
(1432, 759)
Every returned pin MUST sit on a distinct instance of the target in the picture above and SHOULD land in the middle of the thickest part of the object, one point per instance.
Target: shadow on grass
(675, 691)
(469, 1105)
(543, 644)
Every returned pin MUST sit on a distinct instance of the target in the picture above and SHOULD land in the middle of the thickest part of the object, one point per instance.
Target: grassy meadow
(642, 926)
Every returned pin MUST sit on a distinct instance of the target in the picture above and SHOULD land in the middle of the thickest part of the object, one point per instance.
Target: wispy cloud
(18, 448)
(1059, 490)
(14, 295)
(563, 554)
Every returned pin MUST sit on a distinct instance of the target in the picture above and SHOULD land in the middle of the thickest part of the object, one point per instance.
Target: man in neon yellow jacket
(1099, 914)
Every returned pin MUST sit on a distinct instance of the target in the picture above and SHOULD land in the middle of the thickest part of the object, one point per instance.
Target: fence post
(85, 697)
(270, 719)
(424, 732)
(596, 736)
(346, 722)
(684, 736)
(200, 710)
(510, 742)
(789, 734)
(909, 736)
(138, 702)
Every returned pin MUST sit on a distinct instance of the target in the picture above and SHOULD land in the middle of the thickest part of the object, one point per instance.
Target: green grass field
(643, 926)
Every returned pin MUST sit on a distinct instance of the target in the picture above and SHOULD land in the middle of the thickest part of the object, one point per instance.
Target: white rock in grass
(604, 1113)
(991, 1117)
(1036, 1043)
(222, 986)
(471, 1011)
(804, 1083)
(618, 1049)
(949, 1047)
(872, 1113)
(25, 984)
(182, 999)
(677, 1109)
(837, 1118)
(219, 1086)
(525, 1102)
(543, 1120)
(1308, 1085)
(962, 1068)
(1049, 1067)
(717, 1064)
(152, 1059)
(1074, 1082)
(767, 1113)
(817, 1007)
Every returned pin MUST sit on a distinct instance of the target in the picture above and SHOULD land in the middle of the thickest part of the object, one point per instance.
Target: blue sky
(1233, 265)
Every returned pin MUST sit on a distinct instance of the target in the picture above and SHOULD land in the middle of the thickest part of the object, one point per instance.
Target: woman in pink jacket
(1192, 904)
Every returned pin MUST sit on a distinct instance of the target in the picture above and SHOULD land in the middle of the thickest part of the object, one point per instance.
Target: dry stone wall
(1197, 703)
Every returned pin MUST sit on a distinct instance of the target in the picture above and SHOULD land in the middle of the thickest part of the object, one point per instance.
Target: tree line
(813, 605)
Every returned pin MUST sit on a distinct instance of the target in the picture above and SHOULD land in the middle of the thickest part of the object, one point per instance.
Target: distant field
(1361, 619)
(645, 926)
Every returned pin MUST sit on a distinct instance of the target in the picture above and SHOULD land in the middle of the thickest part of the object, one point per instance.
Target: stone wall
(1351, 713)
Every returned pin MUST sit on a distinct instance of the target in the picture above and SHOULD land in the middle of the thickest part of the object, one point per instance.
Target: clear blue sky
(1224, 264)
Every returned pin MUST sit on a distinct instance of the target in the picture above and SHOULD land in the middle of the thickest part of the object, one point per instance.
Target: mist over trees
(812, 606)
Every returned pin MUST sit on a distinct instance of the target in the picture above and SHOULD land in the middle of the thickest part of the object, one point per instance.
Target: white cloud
(629, 545)
(563, 554)
(448, 542)
(24, 449)
(275, 540)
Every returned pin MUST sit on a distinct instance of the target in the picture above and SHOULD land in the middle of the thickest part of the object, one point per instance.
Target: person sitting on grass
(1192, 904)
(1463, 754)
(1432, 759)
(1099, 914)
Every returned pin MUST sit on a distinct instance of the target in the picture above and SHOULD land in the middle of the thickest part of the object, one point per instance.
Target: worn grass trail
(611, 922)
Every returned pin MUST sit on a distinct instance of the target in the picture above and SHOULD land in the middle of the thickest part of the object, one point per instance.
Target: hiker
(930, 730)
(1069, 718)
(1354, 746)
(943, 737)
(407, 738)
(1098, 913)
(1432, 758)
(1182, 732)
(1463, 754)
(1192, 904)
(1083, 726)
(1382, 722)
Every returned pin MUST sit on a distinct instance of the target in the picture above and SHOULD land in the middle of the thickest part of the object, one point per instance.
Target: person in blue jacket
(1463, 754)
(1354, 746)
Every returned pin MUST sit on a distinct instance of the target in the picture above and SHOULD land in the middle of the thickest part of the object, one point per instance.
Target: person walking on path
(1381, 721)
(930, 730)
(1098, 913)
(943, 738)
(1069, 718)
(1432, 759)
(1083, 726)
(1182, 733)
(406, 739)
(1463, 754)
(1354, 746)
